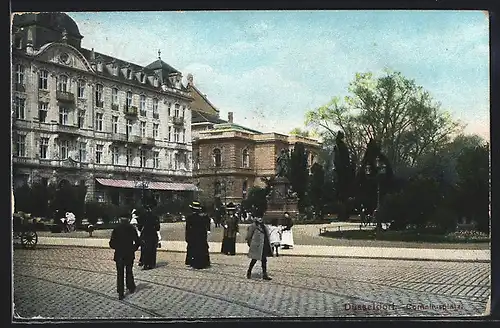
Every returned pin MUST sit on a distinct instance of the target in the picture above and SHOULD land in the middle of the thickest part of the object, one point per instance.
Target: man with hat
(231, 230)
(125, 241)
(197, 228)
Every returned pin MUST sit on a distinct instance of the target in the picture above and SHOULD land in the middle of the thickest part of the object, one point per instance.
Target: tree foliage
(392, 109)
(317, 188)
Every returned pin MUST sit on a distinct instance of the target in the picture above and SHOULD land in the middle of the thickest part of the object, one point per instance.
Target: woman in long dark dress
(149, 238)
(231, 230)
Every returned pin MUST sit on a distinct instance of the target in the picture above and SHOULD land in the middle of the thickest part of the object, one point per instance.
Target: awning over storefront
(152, 185)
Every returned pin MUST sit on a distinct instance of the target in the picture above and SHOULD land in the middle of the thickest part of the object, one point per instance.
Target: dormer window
(142, 77)
(155, 81)
(99, 67)
(129, 74)
(115, 70)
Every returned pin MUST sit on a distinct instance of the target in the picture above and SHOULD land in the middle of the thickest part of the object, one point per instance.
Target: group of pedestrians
(142, 230)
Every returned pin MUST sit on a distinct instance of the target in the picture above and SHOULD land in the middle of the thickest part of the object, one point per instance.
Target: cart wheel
(29, 239)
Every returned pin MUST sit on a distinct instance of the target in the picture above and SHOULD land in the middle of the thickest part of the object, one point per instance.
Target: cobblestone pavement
(80, 283)
(302, 235)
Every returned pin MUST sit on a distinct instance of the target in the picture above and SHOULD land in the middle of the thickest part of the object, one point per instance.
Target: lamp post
(143, 184)
(377, 172)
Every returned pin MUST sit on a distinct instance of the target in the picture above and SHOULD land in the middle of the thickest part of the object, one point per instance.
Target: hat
(230, 207)
(195, 206)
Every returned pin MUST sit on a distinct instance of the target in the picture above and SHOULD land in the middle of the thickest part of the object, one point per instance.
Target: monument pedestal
(280, 200)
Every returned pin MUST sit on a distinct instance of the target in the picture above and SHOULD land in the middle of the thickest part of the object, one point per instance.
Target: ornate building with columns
(84, 117)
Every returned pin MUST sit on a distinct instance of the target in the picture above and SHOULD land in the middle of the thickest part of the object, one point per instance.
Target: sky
(270, 67)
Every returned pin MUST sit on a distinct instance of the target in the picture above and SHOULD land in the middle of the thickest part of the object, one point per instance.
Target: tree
(299, 173)
(392, 109)
(304, 133)
(256, 199)
(344, 174)
(474, 186)
(317, 188)
(23, 200)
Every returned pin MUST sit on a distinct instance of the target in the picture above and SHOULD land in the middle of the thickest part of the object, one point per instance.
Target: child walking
(275, 236)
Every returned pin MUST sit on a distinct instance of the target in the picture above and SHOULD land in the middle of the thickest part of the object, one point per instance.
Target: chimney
(230, 117)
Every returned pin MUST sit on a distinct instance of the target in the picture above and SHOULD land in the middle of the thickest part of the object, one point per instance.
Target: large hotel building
(83, 117)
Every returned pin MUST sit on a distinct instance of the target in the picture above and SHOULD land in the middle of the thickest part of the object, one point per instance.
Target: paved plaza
(80, 283)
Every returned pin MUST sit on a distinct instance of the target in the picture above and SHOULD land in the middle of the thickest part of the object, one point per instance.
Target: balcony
(148, 141)
(130, 110)
(178, 120)
(19, 87)
(67, 129)
(135, 139)
(156, 115)
(114, 106)
(119, 137)
(65, 96)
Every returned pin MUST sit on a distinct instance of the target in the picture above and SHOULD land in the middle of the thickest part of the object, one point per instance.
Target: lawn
(409, 236)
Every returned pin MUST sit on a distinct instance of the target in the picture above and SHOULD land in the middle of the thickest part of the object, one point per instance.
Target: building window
(142, 105)
(177, 161)
(143, 129)
(246, 158)
(82, 152)
(63, 115)
(98, 95)
(129, 156)
(44, 147)
(81, 89)
(156, 159)
(183, 111)
(129, 74)
(114, 156)
(20, 74)
(155, 130)
(64, 149)
(155, 82)
(129, 127)
(115, 70)
(43, 80)
(176, 134)
(20, 105)
(217, 188)
(168, 107)
(217, 157)
(155, 109)
(81, 118)
(114, 96)
(98, 153)
(18, 42)
(184, 135)
(129, 99)
(98, 121)
(62, 83)
(21, 145)
(143, 158)
(197, 160)
(115, 124)
(177, 110)
(42, 111)
(245, 189)
(169, 133)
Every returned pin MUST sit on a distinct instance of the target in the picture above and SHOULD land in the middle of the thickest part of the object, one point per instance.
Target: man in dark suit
(125, 241)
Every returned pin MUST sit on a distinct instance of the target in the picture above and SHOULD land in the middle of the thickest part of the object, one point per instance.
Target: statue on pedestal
(283, 161)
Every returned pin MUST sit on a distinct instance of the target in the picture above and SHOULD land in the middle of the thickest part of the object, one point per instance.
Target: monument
(281, 197)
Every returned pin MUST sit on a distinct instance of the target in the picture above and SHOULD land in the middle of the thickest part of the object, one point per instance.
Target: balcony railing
(19, 87)
(130, 110)
(119, 137)
(148, 141)
(114, 106)
(135, 139)
(67, 129)
(178, 120)
(65, 96)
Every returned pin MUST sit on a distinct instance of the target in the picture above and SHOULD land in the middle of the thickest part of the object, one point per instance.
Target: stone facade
(79, 115)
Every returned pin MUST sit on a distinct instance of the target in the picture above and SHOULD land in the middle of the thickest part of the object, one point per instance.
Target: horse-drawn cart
(24, 232)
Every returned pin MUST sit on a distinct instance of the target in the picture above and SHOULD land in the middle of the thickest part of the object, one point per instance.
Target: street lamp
(377, 172)
(143, 184)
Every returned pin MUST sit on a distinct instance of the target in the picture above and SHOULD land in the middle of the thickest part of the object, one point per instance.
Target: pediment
(66, 55)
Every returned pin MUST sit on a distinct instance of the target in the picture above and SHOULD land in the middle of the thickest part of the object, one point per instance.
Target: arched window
(244, 189)
(62, 83)
(217, 157)
(217, 188)
(245, 158)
